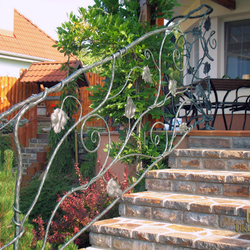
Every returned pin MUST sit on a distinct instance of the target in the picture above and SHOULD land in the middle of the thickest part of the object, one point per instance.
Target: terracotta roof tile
(29, 40)
(49, 73)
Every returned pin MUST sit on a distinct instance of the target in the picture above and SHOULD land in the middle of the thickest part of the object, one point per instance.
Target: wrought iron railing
(194, 98)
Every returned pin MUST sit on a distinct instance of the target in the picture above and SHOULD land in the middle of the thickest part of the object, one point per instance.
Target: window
(237, 48)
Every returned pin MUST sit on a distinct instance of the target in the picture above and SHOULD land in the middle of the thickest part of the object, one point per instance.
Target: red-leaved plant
(79, 208)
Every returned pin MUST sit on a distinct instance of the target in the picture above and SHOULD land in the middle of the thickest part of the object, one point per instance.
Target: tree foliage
(102, 30)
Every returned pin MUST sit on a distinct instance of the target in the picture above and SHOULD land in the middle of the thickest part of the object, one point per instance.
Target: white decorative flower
(130, 108)
(172, 87)
(183, 127)
(146, 76)
(59, 119)
(113, 189)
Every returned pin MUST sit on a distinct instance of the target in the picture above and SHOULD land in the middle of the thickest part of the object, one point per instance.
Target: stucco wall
(219, 16)
(12, 67)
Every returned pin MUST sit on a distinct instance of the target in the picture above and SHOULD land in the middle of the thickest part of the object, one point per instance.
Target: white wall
(12, 67)
(219, 16)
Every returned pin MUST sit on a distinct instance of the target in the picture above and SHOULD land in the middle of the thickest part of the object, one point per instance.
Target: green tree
(102, 30)
(63, 163)
(105, 28)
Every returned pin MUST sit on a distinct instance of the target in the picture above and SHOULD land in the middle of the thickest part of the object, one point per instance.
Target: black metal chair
(241, 103)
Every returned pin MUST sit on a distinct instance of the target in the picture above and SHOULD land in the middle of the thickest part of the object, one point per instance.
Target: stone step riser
(197, 216)
(200, 188)
(35, 153)
(28, 156)
(209, 164)
(42, 141)
(124, 233)
(193, 205)
(212, 183)
(219, 142)
(31, 150)
(121, 243)
(38, 145)
(232, 160)
(185, 209)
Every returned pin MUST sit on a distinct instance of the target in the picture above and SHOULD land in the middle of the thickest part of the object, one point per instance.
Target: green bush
(53, 187)
(5, 143)
(7, 187)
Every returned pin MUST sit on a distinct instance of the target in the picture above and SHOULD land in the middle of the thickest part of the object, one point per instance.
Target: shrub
(5, 143)
(7, 187)
(47, 200)
(79, 209)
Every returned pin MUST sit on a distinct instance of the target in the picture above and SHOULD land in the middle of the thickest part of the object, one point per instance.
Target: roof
(49, 73)
(29, 40)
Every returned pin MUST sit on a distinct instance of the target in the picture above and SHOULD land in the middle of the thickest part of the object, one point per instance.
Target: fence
(14, 91)
(83, 98)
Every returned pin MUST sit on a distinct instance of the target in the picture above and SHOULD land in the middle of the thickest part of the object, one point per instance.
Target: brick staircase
(200, 203)
(34, 158)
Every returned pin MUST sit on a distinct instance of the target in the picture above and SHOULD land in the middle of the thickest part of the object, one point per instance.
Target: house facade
(230, 20)
(23, 43)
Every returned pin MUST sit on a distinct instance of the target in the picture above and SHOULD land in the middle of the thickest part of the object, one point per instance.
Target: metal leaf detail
(196, 31)
(207, 67)
(183, 127)
(130, 108)
(59, 119)
(146, 76)
(173, 39)
(207, 24)
(113, 189)
(190, 70)
(172, 87)
(208, 104)
(199, 91)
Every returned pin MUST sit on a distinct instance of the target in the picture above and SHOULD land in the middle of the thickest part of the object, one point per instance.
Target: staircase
(200, 203)
(34, 157)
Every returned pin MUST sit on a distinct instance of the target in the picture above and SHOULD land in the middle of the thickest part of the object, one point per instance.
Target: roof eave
(21, 57)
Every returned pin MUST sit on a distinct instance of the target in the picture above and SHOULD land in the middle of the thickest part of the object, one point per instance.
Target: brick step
(203, 211)
(126, 233)
(217, 159)
(42, 135)
(32, 150)
(34, 142)
(201, 182)
(29, 171)
(34, 168)
(219, 142)
(28, 156)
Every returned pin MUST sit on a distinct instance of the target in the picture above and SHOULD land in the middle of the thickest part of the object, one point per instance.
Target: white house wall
(12, 67)
(219, 16)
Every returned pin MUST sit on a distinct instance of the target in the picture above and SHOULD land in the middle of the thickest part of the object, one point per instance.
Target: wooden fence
(84, 99)
(12, 91)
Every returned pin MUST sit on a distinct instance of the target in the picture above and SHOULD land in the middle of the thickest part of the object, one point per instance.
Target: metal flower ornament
(113, 189)
(183, 127)
(58, 119)
(172, 87)
(130, 108)
(146, 75)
